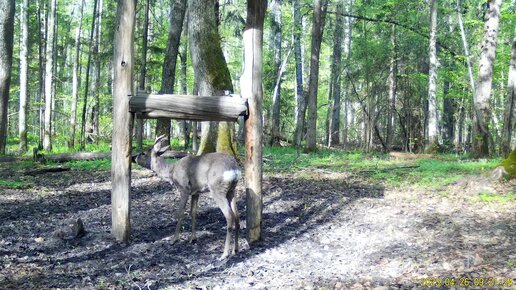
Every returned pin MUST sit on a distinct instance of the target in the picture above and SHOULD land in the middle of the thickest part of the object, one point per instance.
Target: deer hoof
(192, 240)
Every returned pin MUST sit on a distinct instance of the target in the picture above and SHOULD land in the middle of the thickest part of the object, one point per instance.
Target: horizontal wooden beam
(188, 107)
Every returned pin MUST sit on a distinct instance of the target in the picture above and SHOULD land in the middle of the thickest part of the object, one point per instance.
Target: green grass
(13, 184)
(426, 173)
(493, 197)
(101, 164)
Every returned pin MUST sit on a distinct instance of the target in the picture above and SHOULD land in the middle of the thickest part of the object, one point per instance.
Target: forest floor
(322, 229)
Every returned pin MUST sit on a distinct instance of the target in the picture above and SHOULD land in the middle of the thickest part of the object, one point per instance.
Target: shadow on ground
(34, 258)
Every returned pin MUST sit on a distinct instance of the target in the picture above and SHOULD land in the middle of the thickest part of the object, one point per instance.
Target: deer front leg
(180, 213)
(193, 213)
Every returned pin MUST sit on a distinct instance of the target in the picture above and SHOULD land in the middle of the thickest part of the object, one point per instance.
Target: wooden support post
(251, 88)
(122, 120)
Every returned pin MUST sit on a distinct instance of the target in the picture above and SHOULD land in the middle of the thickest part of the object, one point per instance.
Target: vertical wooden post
(122, 120)
(251, 88)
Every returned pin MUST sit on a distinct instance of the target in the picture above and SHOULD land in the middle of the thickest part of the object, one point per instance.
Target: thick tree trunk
(168, 72)
(122, 120)
(317, 34)
(75, 78)
(49, 77)
(336, 68)
(300, 96)
(276, 35)
(251, 86)
(433, 138)
(211, 72)
(481, 135)
(143, 73)
(24, 66)
(510, 105)
(87, 82)
(6, 57)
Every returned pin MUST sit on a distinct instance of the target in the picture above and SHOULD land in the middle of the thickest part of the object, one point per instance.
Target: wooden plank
(122, 121)
(251, 85)
(188, 107)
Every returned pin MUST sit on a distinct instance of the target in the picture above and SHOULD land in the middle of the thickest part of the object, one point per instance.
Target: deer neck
(162, 168)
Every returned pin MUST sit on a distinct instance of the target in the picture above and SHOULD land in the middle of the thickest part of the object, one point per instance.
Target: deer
(192, 175)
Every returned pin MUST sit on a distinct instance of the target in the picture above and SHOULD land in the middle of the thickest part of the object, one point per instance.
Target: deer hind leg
(234, 208)
(193, 213)
(225, 207)
(180, 214)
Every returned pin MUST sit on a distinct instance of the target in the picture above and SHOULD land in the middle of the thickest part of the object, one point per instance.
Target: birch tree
(24, 67)
(432, 141)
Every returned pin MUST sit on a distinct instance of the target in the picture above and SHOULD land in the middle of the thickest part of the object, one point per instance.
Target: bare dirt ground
(333, 231)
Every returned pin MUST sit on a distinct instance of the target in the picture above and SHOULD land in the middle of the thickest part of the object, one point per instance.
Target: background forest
(392, 75)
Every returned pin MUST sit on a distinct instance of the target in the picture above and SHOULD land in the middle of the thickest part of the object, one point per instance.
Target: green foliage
(101, 164)
(492, 197)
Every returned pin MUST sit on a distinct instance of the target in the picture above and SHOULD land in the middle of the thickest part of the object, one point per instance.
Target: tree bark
(94, 131)
(481, 135)
(75, 78)
(24, 66)
(336, 75)
(87, 81)
(251, 86)
(433, 138)
(143, 73)
(300, 99)
(122, 120)
(510, 105)
(6, 57)
(393, 71)
(211, 72)
(317, 34)
(276, 37)
(168, 72)
(49, 77)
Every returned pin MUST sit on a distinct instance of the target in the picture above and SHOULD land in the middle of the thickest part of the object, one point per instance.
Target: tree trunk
(275, 10)
(87, 82)
(49, 77)
(251, 86)
(481, 135)
(143, 73)
(42, 19)
(317, 34)
(122, 120)
(335, 75)
(211, 72)
(186, 126)
(510, 105)
(466, 49)
(75, 78)
(168, 72)
(433, 138)
(95, 90)
(300, 98)
(393, 71)
(6, 57)
(24, 66)
(448, 116)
